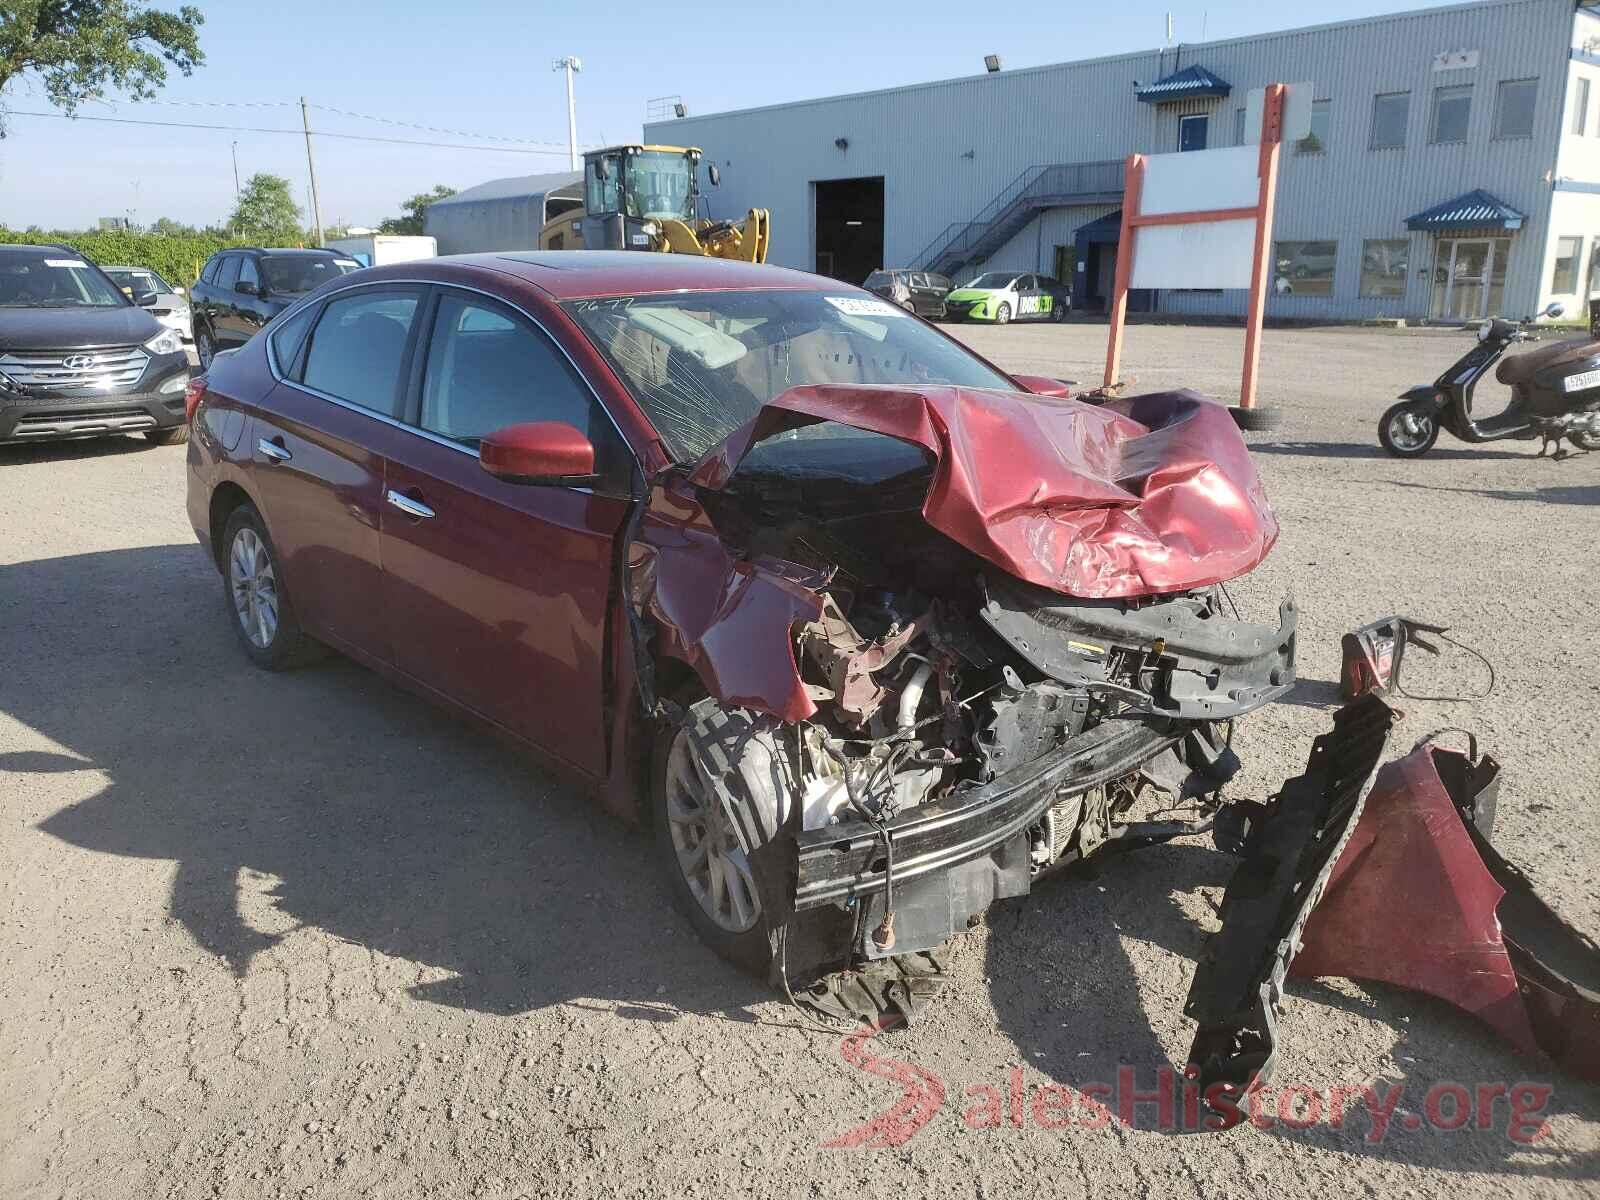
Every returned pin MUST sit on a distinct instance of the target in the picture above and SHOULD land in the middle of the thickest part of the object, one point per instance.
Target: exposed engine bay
(940, 682)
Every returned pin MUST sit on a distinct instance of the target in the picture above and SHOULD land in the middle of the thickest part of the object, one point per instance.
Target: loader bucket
(1421, 899)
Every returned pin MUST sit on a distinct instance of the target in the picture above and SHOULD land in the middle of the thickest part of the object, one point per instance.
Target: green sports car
(1006, 296)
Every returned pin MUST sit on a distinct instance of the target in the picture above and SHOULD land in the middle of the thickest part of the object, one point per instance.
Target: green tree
(77, 49)
(266, 212)
(412, 222)
(168, 227)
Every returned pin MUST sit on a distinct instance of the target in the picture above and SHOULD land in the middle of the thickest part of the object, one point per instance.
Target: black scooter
(1555, 394)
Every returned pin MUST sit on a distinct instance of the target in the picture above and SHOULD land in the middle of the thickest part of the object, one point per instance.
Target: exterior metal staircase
(1053, 185)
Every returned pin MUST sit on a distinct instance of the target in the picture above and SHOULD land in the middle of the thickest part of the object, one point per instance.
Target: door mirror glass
(1554, 310)
(534, 452)
(144, 299)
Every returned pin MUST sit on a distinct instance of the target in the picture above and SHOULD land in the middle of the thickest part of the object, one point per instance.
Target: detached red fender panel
(1140, 496)
(1419, 898)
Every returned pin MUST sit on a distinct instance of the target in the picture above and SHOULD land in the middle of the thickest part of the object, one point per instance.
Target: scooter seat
(1521, 368)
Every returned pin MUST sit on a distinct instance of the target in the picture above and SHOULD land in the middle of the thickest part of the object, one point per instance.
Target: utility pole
(311, 169)
(236, 171)
(571, 66)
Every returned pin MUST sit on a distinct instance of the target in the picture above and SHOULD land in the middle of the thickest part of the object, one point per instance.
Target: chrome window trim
(428, 435)
(279, 376)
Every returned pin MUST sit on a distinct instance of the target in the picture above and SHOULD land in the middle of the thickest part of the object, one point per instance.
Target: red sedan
(872, 632)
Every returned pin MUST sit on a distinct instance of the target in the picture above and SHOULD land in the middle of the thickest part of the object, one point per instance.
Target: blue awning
(1191, 83)
(1475, 210)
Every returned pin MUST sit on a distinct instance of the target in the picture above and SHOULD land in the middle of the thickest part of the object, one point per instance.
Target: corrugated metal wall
(945, 149)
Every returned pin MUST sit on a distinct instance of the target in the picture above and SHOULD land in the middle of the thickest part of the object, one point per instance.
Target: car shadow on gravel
(1373, 450)
(1581, 494)
(20, 454)
(327, 799)
(1068, 992)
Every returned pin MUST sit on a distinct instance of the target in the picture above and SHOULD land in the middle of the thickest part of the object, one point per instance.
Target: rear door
(496, 593)
(219, 299)
(1028, 302)
(319, 456)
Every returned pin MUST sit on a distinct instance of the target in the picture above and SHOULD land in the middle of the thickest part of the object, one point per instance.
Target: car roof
(10, 246)
(284, 250)
(582, 274)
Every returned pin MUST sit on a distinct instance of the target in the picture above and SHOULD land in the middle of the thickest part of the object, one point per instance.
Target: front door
(1469, 278)
(496, 594)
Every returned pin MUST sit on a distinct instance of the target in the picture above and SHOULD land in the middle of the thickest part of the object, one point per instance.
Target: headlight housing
(165, 342)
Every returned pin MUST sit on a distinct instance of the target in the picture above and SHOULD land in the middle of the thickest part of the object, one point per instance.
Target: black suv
(239, 291)
(80, 359)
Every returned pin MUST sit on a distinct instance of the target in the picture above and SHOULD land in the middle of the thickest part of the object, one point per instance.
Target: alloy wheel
(706, 844)
(254, 585)
(1410, 429)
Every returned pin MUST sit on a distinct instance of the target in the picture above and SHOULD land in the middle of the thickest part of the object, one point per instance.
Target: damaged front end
(875, 588)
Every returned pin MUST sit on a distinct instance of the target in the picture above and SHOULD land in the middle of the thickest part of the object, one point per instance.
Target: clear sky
(485, 68)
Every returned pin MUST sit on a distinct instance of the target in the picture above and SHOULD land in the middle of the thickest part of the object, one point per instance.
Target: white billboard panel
(1296, 113)
(1198, 180)
(1214, 254)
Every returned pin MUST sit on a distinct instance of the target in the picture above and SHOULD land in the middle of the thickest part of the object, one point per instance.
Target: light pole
(571, 66)
(236, 171)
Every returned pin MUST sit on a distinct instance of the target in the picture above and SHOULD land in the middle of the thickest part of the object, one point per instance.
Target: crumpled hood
(1144, 495)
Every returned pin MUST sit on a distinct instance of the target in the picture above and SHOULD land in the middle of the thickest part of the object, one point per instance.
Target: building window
(1304, 268)
(1238, 127)
(1513, 108)
(1389, 115)
(1451, 108)
(1383, 267)
(1192, 132)
(1564, 280)
(1580, 106)
(1316, 141)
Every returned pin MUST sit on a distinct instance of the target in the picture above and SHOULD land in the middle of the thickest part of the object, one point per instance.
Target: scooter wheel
(1408, 430)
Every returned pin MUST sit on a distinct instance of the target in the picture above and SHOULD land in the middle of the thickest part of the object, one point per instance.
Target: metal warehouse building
(1453, 169)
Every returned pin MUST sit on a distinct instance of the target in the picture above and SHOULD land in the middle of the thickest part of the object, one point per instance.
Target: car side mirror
(1554, 310)
(177, 290)
(714, 174)
(539, 452)
(145, 299)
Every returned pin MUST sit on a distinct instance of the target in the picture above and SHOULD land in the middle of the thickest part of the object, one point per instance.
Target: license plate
(1581, 382)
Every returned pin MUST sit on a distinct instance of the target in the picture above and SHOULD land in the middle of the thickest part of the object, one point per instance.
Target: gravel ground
(303, 935)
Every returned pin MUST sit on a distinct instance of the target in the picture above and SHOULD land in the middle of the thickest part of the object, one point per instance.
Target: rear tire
(257, 603)
(1408, 429)
(1585, 441)
(720, 784)
(1002, 315)
(175, 436)
(1059, 312)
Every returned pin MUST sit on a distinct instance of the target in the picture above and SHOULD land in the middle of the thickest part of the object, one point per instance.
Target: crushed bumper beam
(1290, 847)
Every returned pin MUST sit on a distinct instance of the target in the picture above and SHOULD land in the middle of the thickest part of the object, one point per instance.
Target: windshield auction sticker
(861, 306)
(65, 262)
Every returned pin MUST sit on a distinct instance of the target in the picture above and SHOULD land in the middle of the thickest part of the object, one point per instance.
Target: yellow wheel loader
(647, 198)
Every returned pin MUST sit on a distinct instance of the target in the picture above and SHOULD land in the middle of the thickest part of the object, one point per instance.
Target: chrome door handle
(273, 451)
(412, 508)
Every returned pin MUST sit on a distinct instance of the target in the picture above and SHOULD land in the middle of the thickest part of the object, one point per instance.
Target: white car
(147, 289)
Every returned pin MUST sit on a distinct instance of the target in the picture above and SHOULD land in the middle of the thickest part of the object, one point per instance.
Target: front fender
(1423, 391)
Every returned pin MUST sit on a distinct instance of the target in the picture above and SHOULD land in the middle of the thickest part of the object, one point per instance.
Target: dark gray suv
(78, 358)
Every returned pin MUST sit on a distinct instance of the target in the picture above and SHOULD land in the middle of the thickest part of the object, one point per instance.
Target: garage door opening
(849, 233)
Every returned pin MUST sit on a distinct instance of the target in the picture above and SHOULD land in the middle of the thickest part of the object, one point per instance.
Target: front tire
(1408, 429)
(720, 784)
(175, 436)
(1002, 315)
(252, 588)
(1058, 313)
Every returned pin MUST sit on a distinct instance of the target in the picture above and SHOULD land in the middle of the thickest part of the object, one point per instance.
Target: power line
(343, 112)
(488, 137)
(349, 137)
